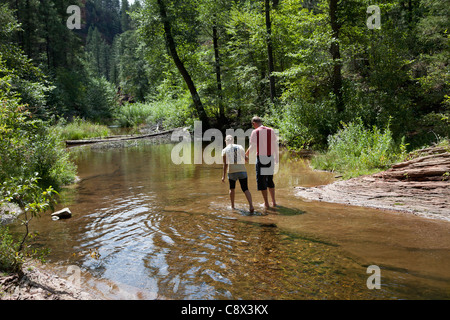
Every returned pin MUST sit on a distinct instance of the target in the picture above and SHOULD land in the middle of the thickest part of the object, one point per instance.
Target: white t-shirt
(235, 155)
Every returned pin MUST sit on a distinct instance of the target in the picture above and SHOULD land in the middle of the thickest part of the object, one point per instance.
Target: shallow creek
(145, 228)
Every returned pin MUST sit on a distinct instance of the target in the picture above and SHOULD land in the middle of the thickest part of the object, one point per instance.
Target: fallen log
(114, 139)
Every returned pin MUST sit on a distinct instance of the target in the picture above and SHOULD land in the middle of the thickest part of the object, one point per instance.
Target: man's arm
(276, 148)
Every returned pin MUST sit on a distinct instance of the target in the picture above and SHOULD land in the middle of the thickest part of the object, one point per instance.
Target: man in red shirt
(264, 141)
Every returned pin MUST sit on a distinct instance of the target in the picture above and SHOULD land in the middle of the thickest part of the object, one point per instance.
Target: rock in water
(62, 214)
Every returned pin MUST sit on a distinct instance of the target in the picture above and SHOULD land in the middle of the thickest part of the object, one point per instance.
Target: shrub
(32, 200)
(10, 261)
(27, 146)
(132, 114)
(80, 129)
(355, 150)
(304, 124)
(100, 99)
(171, 113)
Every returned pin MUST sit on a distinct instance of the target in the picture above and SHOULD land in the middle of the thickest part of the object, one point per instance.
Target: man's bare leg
(272, 195)
(266, 200)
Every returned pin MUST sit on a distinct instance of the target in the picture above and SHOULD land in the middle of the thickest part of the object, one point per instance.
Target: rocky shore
(420, 186)
(38, 284)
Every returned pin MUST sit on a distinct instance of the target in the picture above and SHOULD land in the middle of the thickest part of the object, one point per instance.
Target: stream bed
(145, 228)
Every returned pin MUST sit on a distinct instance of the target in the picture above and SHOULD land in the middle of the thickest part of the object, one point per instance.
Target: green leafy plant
(356, 150)
(9, 257)
(32, 201)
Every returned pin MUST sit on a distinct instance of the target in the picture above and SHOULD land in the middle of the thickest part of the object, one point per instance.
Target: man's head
(256, 122)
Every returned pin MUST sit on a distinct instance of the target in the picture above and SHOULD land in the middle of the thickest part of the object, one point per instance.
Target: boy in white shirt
(234, 162)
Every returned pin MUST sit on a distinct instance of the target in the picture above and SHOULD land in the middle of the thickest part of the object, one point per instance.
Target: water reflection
(167, 231)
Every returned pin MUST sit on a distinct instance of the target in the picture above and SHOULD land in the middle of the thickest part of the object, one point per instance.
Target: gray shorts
(237, 175)
(242, 177)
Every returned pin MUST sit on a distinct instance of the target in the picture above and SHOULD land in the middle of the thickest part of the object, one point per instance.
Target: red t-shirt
(264, 139)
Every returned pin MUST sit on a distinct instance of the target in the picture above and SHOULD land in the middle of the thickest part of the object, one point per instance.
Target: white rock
(62, 214)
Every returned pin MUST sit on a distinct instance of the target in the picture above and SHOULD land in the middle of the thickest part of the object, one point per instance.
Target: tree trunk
(218, 74)
(336, 55)
(275, 3)
(180, 66)
(270, 51)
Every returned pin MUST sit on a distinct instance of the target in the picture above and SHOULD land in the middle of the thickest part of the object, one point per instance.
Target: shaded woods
(311, 68)
(306, 66)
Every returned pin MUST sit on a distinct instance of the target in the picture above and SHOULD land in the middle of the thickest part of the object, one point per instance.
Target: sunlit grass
(80, 129)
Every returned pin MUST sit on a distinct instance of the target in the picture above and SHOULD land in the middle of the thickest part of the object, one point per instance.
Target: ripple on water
(168, 230)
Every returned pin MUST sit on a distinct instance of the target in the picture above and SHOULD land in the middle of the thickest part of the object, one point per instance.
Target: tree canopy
(305, 66)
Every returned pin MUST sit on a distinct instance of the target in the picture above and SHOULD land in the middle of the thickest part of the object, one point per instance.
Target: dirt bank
(38, 284)
(420, 186)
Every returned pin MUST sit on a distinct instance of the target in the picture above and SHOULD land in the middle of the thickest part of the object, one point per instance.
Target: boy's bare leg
(232, 193)
(248, 195)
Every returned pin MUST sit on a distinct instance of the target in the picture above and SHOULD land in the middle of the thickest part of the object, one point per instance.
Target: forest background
(311, 68)
(363, 97)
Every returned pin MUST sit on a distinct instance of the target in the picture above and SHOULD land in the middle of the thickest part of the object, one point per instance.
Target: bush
(10, 261)
(304, 124)
(355, 150)
(171, 113)
(80, 129)
(27, 146)
(32, 201)
(132, 114)
(100, 99)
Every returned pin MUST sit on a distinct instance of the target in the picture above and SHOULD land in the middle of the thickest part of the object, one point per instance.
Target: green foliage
(133, 115)
(355, 150)
(20, 78)
(28, 146)
(170, 113)
(97, 51)
(33, 201)
(10, 260)
(396, 75)
(303, 124)
(303, 40)
(100, 99)
(79, 129)
(129, 69)
(28, 195)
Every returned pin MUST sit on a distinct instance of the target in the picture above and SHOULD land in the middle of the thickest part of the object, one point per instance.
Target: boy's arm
(276, 147)
(251, 144)
(225, 166)
(243, 158)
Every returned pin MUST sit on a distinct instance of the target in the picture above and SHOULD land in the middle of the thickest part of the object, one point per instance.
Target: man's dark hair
(256, 119)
